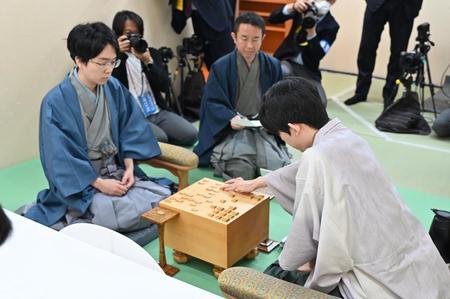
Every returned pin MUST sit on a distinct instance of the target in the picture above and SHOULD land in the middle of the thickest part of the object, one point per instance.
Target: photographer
(143, 73)
(400, 15)
(313, 32)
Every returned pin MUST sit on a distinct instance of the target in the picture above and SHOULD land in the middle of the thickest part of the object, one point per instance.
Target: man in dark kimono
(233, 92)
(91, 131)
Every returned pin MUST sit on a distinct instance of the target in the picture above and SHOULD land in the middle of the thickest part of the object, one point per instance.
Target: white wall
(34, 57)
(350, 13)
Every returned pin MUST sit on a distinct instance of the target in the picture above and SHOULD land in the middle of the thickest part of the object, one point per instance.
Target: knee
(188, 137)
(160, 135)
(239, 168)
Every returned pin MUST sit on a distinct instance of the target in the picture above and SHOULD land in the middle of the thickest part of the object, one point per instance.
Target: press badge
(147, 103)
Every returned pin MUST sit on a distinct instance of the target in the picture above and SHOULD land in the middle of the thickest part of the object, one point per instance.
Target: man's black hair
(121, 17)
(292, 100)
(5, 226)
(250, 18)
(86, 41)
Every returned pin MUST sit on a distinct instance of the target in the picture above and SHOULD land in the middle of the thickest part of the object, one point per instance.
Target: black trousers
(217, 44)
(400, 27)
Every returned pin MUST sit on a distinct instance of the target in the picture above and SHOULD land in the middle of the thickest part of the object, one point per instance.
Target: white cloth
(349, 218)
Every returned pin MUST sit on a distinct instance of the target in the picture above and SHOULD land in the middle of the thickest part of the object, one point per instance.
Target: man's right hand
(235, 126)
(124, 44)
(110, 187)
(300, 5)
(244, 186)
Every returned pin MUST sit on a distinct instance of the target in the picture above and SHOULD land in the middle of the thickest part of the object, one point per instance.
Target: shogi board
(216, 226)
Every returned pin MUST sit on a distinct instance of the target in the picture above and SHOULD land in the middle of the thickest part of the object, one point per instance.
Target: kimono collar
(333, 124)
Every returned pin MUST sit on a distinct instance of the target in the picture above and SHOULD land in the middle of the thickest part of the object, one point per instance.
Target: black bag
(192, 94)
(403, 116)
(440, 233)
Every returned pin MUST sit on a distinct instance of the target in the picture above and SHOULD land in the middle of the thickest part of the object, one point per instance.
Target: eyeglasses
(105, 64)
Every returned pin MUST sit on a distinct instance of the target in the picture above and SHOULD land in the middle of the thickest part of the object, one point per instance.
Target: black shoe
(354, 99)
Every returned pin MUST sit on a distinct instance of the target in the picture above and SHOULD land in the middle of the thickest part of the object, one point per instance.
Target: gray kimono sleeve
(282, 184)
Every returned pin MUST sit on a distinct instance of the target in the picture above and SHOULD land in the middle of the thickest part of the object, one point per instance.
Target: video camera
(423, 33)
(316, 10)
(411, 62)
(191, 45)
(137, 42)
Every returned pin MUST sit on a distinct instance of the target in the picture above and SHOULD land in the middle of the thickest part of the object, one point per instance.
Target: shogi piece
(216, 226)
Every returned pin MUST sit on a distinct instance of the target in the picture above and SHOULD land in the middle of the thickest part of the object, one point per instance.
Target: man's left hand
(145, 57)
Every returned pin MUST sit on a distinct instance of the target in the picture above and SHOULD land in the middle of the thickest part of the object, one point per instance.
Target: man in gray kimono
(352, 235)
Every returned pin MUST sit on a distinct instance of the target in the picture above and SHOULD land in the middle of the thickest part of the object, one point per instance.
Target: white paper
(245, 122)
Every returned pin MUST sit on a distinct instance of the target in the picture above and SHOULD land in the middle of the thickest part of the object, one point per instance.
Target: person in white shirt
(352, 235)
(143, 73)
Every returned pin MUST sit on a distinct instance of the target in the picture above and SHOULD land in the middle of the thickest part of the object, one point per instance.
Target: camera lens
(140, 46)
(137, 42)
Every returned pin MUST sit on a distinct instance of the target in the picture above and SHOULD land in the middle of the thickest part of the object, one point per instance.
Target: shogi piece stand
(160, 216)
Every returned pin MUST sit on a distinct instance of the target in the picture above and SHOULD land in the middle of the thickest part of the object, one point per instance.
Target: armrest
(177, 160)
(241, 282)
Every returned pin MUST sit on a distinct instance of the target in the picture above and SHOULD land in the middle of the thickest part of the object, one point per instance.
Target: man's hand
(234, 126)
(302, 5)
(308, 267)
(128, 178)
(243, 186)
(128, 175)
(110, 187)
(124, 44)
(145, 57)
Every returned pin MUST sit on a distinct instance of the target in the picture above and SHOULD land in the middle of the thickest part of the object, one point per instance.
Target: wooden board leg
(180, 257)
(252, 254)
(217, 270)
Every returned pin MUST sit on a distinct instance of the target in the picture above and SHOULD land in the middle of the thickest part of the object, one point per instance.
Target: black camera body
(311, 16)
(166, 54)
(315, 11)
(137, 42)
(410, 61)
(192, 45)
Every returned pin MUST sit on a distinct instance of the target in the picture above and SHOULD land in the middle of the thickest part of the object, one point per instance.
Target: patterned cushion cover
(241, 282)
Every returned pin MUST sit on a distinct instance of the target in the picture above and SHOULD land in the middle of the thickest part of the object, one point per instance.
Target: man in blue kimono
(233, 92)
(91, 131)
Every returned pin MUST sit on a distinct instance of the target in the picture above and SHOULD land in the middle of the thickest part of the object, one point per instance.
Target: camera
(410, 61)
(166, 54)
(137, 42)
(316, 10)
(423, 33)
(192, 45)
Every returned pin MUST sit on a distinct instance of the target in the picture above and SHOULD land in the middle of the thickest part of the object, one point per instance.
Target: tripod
(171, 98)
(184, 62)
(419, 58)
